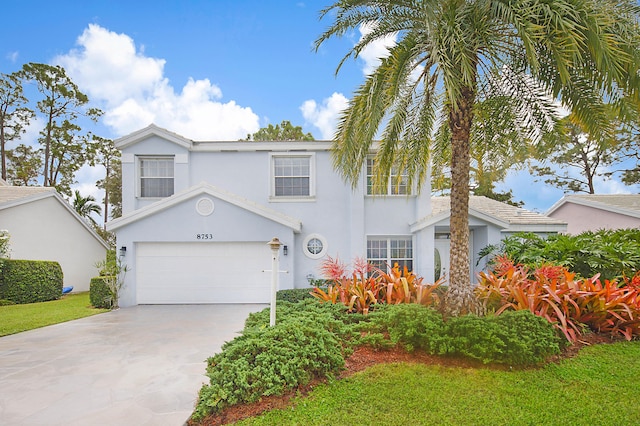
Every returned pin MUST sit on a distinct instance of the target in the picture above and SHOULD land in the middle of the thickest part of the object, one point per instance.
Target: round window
(314, 246)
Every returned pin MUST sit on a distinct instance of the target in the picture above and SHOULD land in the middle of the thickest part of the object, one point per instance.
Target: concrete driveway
(141, 365)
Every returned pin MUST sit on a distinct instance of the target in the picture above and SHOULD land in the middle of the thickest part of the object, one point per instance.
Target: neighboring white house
(197, 217)
(589, 212)
(43, 226)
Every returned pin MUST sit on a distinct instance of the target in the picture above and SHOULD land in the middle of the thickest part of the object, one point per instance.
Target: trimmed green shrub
(307, 308)
(31, 281)
(99, 293)
(513, 338)
(270, 361)
(412, 325)
(294, 295)
(5, 302)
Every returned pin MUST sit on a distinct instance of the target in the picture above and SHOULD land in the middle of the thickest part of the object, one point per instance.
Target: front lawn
(17, 318)
(599, 386)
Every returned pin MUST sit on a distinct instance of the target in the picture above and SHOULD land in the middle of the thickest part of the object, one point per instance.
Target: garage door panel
(202, 273)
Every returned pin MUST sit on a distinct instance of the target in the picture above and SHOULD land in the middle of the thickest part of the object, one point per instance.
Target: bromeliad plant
(402, 286)
(367, 286)
(357, 292)
(571, 304)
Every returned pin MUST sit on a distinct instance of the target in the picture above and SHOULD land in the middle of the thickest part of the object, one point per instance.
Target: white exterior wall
(343, 216)
(45, 230)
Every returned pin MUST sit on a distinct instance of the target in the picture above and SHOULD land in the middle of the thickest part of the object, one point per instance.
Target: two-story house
(197, 216)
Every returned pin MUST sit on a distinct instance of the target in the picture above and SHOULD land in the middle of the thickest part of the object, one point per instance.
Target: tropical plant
(111, 281)
(452, 54)
(610, 253)
(570, 304)
(358, 290)
(368, 285)
(406, 287)
(85, 206)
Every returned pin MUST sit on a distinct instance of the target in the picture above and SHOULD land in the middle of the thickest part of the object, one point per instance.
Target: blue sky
(208, 70)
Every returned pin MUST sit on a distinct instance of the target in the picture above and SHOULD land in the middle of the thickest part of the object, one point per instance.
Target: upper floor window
(395, 185)
(384, 252)
(156, 177)
(292, 176)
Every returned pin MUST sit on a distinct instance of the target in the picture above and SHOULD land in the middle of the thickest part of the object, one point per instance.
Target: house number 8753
(204, 236)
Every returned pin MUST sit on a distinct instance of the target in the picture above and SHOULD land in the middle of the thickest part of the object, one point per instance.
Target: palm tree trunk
(460, 298)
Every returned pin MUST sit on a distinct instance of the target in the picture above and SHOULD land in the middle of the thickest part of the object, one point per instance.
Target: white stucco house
(43, 226)
(197, 216)
(591, 212)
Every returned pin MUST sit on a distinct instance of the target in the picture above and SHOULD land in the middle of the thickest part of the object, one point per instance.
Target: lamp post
(275, 257)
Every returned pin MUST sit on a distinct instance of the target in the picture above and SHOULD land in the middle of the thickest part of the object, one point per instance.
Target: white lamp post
(275, 257)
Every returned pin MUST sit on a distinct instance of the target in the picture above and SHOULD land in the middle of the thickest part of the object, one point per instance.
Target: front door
(441, 252)
(442, 260)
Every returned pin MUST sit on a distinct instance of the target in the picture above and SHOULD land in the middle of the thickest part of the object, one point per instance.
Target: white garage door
(203, 273)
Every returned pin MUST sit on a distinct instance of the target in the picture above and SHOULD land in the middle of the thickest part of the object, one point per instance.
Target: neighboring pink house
(592, 212)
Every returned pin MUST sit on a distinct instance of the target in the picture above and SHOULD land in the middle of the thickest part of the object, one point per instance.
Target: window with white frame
(395, 185)
(292, 176)
(314, 246)
(384, 252)
(156, 176)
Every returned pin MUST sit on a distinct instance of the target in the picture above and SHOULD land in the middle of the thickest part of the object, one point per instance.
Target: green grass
(17, 318)
(600, 386)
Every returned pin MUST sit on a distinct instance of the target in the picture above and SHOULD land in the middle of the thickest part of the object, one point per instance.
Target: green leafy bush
(513, 338)
(30, 281)
(412, 325)
(100, 294)
(5, 302)
(334, 317)
(270, 361)
(294, 295)
(610, 253)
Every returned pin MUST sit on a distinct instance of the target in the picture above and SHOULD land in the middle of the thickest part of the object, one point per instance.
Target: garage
(202, 272)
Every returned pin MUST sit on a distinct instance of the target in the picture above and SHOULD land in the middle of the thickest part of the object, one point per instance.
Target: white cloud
(325, 116)
(375, 51)
(12, 56)
(132, 87)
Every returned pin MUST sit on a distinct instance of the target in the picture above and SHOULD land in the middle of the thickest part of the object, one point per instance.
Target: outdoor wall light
(123, 251)
(285, 250)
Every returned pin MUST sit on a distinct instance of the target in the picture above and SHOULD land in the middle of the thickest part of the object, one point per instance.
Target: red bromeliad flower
(550, 272)
(361, 267)
(333, 269)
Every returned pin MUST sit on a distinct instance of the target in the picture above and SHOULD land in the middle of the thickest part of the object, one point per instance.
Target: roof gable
(149, 131)
(200, 189)
(502, 215)
(625, 204)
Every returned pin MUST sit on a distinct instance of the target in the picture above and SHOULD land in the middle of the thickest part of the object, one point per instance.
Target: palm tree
(452, 54)
(84, 206)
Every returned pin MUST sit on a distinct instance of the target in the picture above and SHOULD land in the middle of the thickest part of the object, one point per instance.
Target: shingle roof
(500, 211)
(14, 193)
(620, 203)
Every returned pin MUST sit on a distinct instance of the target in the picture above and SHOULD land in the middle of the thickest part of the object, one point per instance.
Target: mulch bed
(364, 357)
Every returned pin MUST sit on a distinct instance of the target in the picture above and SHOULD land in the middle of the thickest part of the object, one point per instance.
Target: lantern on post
(274, 244)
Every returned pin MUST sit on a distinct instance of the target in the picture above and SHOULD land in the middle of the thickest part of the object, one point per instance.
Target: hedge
(30, 281)
(100, 294)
